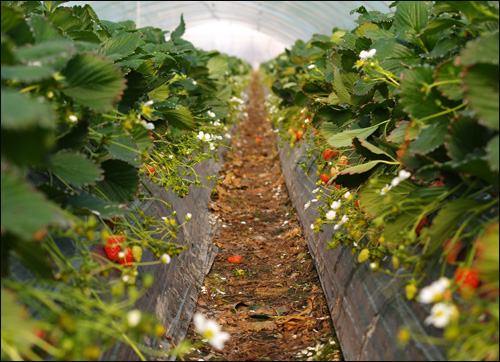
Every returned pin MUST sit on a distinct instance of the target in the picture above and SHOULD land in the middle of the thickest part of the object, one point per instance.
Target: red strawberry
(327, 154)
(150, 170)
(452, 250)
(325, 178)
(128, 259)
(422, 223)
(298, 135)
(234, 259)
(467, 279)
(113, 246)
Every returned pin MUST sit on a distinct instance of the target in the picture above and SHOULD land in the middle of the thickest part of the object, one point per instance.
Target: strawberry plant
(410, 102)
(88, 107)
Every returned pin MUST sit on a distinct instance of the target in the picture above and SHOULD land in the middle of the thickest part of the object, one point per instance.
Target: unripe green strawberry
(137, 252)
(363, 255)
(396, 263)
(411, 290)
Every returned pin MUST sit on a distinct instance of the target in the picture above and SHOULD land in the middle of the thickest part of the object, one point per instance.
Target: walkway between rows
(271, 302)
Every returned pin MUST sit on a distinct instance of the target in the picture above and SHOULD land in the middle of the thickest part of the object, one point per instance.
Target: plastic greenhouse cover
(256, 31)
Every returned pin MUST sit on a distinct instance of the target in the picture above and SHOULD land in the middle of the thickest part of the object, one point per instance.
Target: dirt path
(271, 302)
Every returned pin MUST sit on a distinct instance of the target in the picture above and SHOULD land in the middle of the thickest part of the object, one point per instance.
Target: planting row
(92, 112)
(400, 116)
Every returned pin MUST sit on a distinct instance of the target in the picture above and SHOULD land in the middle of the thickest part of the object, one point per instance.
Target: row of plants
(93, 111)
(401, 117)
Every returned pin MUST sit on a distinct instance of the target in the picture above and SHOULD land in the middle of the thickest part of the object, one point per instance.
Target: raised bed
(367, 308)
(174, 293)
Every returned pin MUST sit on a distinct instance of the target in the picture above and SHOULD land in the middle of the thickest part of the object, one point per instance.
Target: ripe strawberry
(327, 154)
(128, 259)
(343, 160)
(113, 246)
(422, 223)
(150, 170)
(467, 280)
(298, 135)
(257, 140)
(324, 178)
(235, 259)
(137, 252)
(452, 250)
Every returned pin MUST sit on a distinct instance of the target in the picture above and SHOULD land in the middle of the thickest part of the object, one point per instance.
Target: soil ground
(271, 302)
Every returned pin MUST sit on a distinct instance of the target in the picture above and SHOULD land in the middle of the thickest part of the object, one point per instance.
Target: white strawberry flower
(204, 136)
(335, 205)
(149, 103)
(330, 215)
(385, 189)
(311, 66)
(73, 118)
(165, 258)
(210, 330)
(348, 195)
(148, 125)
(433, 292)
(365, 55)
(441, 314)
(134, 317)
(211, 114)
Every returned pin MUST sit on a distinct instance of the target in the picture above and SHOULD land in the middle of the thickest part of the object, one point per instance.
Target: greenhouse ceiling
(253, 30)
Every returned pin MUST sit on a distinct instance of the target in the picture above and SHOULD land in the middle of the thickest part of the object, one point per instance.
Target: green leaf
(438, 25)
(356, 175)
(120, 45)
(15, 325)
(42, 29)
(217, 67)
(24, 211)
(393, 55)
(28, 146)
(481, 50)
(396, 229)
(125, 149)
(52, 5)
(492, 154)
(332, 115)
(344, 139)
(397, 136)
(371, 152)
(477, 166)
(87, 36)
(93, 81)
(121, 181)
(465, 137)
(179, 31)
(20, 112)
(372, 201)
(92, 204)
(410, 18)
(180, 118)
(446, 221)
(64, 19)
(33, 256)
(142, 138)
(50, 53)
(429, 138)
(11, 17)
(26, 74)
(481, 91)
(74, 168)
(340, 88)
(415, 99)
(449, 74)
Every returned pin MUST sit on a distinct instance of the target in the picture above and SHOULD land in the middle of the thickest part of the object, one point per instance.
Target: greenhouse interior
(250, 180)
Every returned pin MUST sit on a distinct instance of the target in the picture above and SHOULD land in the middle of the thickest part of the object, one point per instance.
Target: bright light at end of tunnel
(235, 39)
